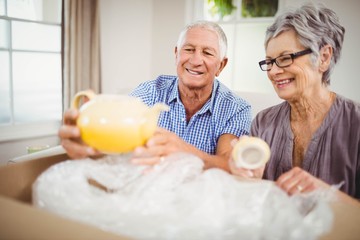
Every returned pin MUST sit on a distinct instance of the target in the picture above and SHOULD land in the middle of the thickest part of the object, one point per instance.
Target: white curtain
(81, 48)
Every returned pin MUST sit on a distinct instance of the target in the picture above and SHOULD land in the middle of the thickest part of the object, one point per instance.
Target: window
(245, 28)
(30, 73)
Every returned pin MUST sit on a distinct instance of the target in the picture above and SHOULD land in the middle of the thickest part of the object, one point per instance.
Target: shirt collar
(175, 96)
(213, 94)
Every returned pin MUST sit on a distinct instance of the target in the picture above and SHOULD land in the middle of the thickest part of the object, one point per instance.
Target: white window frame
(18, 131)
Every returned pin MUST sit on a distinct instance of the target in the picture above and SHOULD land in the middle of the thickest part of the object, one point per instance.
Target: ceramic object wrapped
(251, 153)
(115, 123)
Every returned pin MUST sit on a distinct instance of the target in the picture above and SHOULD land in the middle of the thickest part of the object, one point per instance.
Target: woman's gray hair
(315, 26)
(206, 25)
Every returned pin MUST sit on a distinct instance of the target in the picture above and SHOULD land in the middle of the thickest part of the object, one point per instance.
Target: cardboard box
(20, 220)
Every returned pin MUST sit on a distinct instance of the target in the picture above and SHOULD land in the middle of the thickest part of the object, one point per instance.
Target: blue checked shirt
(223, 113)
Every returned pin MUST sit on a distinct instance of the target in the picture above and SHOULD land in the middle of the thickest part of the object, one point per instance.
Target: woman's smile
(283, 82)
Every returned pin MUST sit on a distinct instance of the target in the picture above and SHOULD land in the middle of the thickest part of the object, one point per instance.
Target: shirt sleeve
(239, 123)
(146, 92)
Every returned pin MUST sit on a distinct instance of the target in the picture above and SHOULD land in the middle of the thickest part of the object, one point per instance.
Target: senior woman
(314, 135)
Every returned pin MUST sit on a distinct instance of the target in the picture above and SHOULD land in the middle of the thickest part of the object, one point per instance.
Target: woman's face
(198, 60)
(299, 80)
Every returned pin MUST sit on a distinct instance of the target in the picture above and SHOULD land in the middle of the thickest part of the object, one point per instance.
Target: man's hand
(161, 144)
(165, 142)
(70, 137)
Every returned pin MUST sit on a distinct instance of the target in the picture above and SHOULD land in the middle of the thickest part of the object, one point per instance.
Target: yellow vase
(115, 123)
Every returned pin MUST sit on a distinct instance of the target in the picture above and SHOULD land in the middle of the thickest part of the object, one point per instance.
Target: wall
(168, 21)
(126, 34)
(137, 41)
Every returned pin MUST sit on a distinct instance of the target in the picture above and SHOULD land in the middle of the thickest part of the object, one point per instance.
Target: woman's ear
(326, 53)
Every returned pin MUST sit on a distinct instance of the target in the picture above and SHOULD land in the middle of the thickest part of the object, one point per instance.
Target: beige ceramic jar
(115, 123)
(251, 152)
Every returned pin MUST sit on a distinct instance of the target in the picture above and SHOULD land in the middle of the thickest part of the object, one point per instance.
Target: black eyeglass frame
(292, 55)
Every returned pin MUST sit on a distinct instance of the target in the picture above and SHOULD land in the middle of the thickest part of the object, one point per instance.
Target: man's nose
(196, 58)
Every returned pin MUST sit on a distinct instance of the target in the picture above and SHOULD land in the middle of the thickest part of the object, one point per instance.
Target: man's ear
(176, 55)
(326, 53)
(222, 65)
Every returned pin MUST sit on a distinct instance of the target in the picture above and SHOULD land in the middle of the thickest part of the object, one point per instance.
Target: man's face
(198, 60)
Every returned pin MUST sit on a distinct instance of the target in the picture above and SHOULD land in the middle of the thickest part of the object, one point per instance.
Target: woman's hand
(298, 180)
(69, 135)
(244, 172)
(161, 144)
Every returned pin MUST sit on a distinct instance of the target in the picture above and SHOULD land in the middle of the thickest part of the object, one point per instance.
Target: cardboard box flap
(22, 221)
(16, 179)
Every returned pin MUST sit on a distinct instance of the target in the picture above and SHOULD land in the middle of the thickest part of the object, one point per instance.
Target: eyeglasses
(282, 61)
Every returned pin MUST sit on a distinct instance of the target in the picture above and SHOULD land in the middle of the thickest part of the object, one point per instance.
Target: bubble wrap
(177, 199)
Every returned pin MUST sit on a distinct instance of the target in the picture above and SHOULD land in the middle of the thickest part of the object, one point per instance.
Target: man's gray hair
(206, 25)
(315, 26)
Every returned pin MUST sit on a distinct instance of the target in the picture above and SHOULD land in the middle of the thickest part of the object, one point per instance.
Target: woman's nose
(275, 70)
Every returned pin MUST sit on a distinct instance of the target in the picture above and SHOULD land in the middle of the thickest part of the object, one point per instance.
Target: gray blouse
(333, 154)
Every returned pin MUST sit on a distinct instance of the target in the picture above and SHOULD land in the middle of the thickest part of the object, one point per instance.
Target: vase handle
(88, 94)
